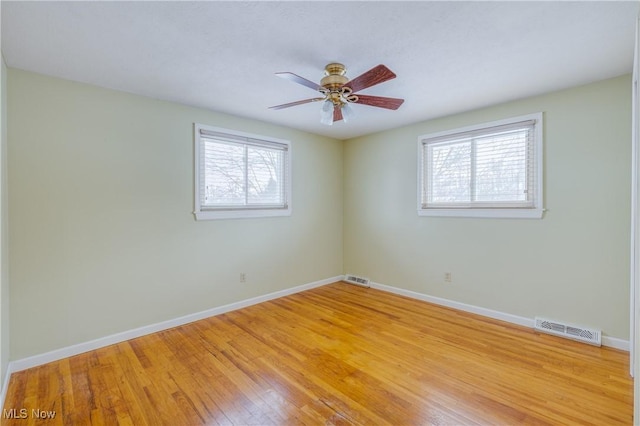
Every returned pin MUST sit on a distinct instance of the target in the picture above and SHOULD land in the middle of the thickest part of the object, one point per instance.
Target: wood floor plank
(341, 355)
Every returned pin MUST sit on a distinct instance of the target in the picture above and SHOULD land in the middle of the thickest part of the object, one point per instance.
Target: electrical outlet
(243, 277)
(447, 277)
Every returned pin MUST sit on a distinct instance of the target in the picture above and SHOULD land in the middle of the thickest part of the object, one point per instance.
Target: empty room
(323, 212)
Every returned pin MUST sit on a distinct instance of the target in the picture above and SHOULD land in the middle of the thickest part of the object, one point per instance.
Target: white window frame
(203, 212)
(534, 211)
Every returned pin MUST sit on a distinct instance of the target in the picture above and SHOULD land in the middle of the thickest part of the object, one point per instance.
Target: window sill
(484, 213)
(240, 214)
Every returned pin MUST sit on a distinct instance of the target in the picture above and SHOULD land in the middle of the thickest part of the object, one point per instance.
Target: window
(240, 175)
(489, 170)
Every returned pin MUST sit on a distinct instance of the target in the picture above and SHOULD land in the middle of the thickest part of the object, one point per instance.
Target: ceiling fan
(338, 92)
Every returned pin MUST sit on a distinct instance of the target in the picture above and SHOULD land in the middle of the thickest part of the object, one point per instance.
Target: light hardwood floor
(338, 354)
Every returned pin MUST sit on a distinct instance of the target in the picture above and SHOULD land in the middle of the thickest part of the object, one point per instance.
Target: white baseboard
(615, 342)
(612, 342)
(34, 361)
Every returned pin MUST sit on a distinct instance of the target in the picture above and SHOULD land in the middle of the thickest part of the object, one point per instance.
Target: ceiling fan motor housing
(334, 76)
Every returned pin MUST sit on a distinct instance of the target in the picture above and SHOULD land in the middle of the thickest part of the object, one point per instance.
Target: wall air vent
(357, 280)
(581, 334)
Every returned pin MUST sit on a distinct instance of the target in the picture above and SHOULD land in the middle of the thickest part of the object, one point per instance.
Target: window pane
(224, 182)
(450, 172)
(265, 176)
(501, 173)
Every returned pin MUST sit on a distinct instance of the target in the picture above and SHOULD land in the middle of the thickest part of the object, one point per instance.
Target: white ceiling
(449, 56)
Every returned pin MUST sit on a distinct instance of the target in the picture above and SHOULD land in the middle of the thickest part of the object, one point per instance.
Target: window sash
(505, 137)
(247, 200)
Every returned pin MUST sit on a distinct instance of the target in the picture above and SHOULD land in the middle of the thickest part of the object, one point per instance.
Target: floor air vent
(357, 280)
(593, 337)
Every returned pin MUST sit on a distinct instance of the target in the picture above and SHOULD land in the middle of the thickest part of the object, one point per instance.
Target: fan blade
(290, 104)
(375, 75)
(337, 114)
(300, 80)
(380, 101)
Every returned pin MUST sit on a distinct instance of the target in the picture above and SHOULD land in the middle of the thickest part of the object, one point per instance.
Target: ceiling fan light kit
(326, 113)
(339, 92)
(347, 112)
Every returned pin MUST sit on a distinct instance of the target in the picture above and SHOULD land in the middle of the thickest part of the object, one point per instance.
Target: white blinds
(489, 167)
(231, 138)
(242, 173)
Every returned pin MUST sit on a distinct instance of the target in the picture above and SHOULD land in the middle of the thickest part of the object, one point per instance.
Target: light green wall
(102, 236)
(573, 265)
